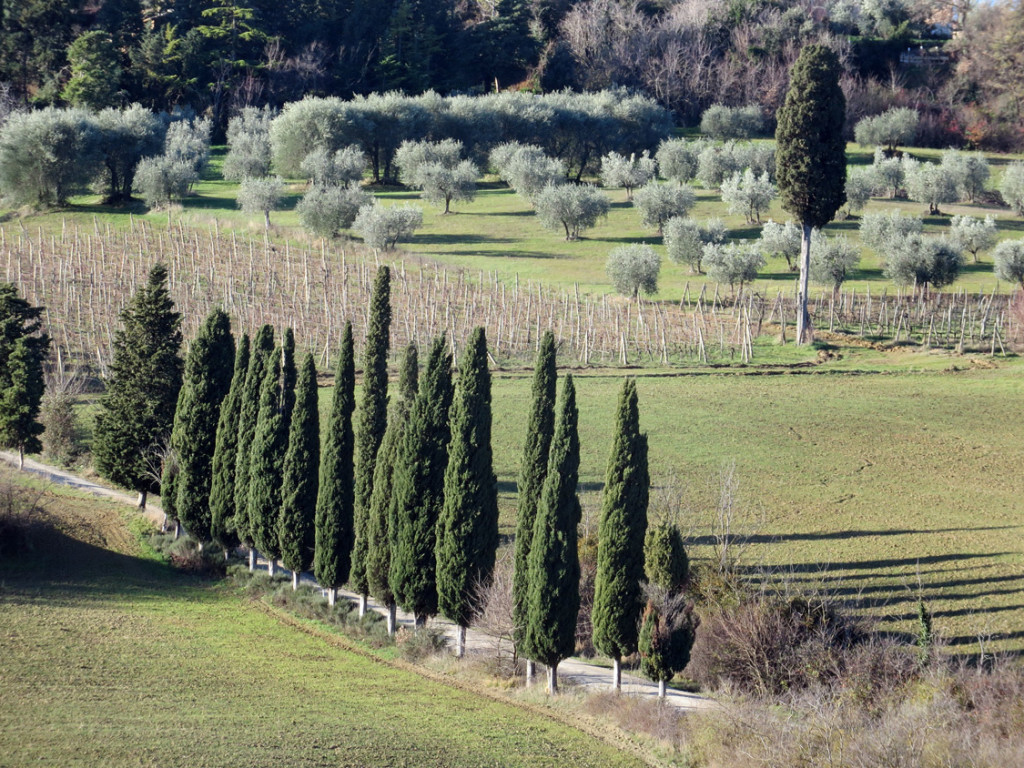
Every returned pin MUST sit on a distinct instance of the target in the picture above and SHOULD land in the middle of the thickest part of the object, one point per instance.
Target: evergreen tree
(539, 432)
(667, 634)
(225, 455)
(249, 407)
(811, 154)
(419, 487)
(334, 524)
(382, 522)
(665, 562)
(23, 348)
(169, 490)
(289, 376)
(266, 463)
(620, 537)
(467, 529)
(296, 534)
(553, 599)
(206, 384)
(372, 421)
(142, 392)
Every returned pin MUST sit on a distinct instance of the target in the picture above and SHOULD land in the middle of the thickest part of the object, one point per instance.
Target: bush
(832, 259)
(685, 239)
(783, 240)
(325, 211)
(721, 122)
(895, 127)
(657, 203)
(572, 207)
(634, 268)
(677, 159)
(1009, 261)
(930, 183)
(733, 263)
(1012, 187)
(922, 261)
(261, 196)
(60, 432)
(338, 169)
(421, 643)
(627, 172)
(22, 520)
(748, 194)
(973, 235)
(382, 227)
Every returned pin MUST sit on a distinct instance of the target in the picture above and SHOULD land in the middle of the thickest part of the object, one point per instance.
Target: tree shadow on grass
(461, 239)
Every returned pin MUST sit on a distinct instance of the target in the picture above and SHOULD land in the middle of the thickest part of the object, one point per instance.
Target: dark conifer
(665, 562)
(539, 432)
(419, 486)
(620, 537)
(296, 535)
(23, 350)
(289, 376)
(266, 463)
(467, 529)
(553, 599)
(334, 533)
(207, 380)
(667, 633)
(372, 421)
(225, 455)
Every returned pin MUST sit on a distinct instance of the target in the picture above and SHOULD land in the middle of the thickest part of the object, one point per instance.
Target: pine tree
(266, 463)
(262, 350)
(206, 384)
(372, 421)
(553, 599)
(665, 562)
(23, 348)
(225, 455)
(620, 537)
(419, 487)
(334, 526)
(382, 523)
(299, 485)
(142, 392)
(539, 432)
(467, 528)
(811, 155)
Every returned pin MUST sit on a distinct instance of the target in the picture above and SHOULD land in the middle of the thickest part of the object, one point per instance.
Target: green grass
(112, 658)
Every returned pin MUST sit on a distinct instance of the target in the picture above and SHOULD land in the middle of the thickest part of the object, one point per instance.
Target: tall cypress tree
(334, 532)
(419, 486)
(467, 529)
(142, 391)
(553, 599)
(382, 524)
(289, 377)
(207, 380)
(620, 537)
(811, 155)
(539, 432)
(225, 455)
(373, 415)
(266, 463)
(262, 350)
(23, 349)
(299, 485)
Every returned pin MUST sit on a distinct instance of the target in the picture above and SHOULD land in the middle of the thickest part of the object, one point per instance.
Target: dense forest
(960, 62)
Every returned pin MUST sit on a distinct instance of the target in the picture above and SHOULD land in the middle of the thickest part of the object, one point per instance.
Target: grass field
(113, 658)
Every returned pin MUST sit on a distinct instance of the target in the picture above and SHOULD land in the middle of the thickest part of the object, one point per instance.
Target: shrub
(832, 259)
(418, 644)
(1009, 261)
(890, 129)
(666, 564)
(22, 520)
(261, 196)
(973, 235)
(930, 183)
(382, 227)
(685, 239)
(748, 194)
(783, 240)
(572, 207)
(922, 261)
(657, 203)
(1012, 187)
(339, 168)
(627, 172)
(325, 211)
(677, 159)
(721, 122)
(733, 263)
(634, 268)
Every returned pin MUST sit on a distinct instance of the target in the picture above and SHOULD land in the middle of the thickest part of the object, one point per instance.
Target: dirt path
(572, 671)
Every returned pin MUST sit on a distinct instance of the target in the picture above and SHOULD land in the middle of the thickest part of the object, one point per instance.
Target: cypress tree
(419, 487)
(620, 537)
(22, 352)
(553, 599)
(334, 534)
(539, 432)
(207, 380)
(142, 392)
(262, 350)
(265, 465)
(382, 523)
(225, 455)
(467, 528)
(296, 535)
(667, 633)
(372, 422)
(289, 377)
(169, 489)
(665, 562)
(811, 154)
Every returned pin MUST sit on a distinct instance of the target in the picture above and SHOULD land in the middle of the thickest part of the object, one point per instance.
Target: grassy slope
(113, 659)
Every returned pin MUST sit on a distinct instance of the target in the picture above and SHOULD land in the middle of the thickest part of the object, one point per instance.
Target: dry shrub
(588, 576)
(420, 643)
(635, 714)
(22, 519)
(496, 620)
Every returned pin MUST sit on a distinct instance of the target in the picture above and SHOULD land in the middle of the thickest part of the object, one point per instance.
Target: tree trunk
(142, 500)
(616, 675)
(21, 457)
(553, 679)
(271, 567)
(332, 596)
(295, 581)
(803, 319)
(362, 606)
(266, 219)
(421, 620)
(252, 559)
(177, 529)
(661, 689)
(460, 641)
(227, 554)
(531, 672)
(392, 619)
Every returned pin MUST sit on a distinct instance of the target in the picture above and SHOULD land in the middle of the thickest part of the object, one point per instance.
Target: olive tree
(1009, 260)
(880, 229)
(921, 261)
(249, 149)
(529, 171)
(438, 170)
(261, 196)
(733, 263)
(970, 171)
(782, 240)
(325, 211)
(634, 268)
(894, 127)
(627, 172)
(685, 239)
(973, 235)
(677, 159)
(748, 194)
(832, 259)
(310, 124)
(382, 227)
(718, 162)
(930, 183)
(888, 172)
(1012, 187)
(572, 207)
(188, 142)
(722, 122)
(339, 168)
(160, 180)
(860, 186)
(126, 137)
(657, 203)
